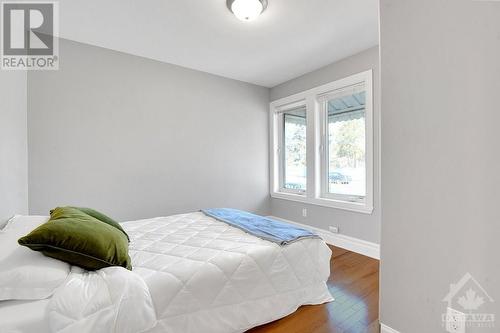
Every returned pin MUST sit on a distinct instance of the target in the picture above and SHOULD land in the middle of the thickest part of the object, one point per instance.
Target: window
(322, 145)
(344, 158)
(293, 150)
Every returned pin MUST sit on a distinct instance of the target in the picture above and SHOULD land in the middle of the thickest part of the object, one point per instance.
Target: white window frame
(324, 149)
(316, 188)
(280, 151)
(277, 148)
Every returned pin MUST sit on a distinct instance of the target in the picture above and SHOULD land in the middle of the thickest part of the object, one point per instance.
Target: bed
(191, 273)
(24, 316)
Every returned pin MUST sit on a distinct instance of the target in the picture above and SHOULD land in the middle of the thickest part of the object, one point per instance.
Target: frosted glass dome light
(247, 10)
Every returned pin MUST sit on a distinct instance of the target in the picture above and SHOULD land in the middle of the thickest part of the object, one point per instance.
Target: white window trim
(315, 143)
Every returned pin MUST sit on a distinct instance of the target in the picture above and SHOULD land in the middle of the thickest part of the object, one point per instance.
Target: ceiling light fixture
(246, 10)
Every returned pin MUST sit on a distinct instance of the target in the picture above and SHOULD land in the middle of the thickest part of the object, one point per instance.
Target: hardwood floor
(354, 283)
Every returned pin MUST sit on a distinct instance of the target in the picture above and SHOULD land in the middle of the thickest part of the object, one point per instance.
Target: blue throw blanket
(271, 230)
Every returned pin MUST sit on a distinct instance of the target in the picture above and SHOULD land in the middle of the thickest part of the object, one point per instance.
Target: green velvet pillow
(101, 217)
(79, 239)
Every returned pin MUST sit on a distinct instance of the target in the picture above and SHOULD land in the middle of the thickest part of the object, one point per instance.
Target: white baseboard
(387, 329)
(357, 245)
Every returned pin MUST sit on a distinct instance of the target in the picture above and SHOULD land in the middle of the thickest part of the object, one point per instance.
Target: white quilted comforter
(193, 274)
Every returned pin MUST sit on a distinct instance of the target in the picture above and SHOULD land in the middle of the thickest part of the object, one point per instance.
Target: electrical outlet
(455, 321)
(304, 212)
(335, 229)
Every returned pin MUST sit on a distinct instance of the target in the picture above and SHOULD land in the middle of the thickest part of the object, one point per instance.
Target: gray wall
(139, 138)
(13, 145)
(440, 156)
(353, 224)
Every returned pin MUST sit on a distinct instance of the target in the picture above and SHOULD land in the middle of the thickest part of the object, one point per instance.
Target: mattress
(206, 276)
(24, 316)
(191, 273)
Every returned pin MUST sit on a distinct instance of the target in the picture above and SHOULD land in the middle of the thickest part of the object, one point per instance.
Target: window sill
(338, 204)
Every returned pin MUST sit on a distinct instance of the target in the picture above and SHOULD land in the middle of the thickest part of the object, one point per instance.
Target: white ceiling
(291, 38)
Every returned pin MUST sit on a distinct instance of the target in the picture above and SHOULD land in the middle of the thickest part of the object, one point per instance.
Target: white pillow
(3, 222)
(20, 223)
(27, 274)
